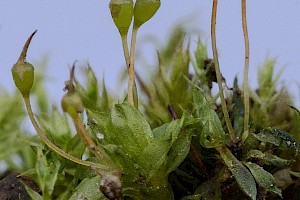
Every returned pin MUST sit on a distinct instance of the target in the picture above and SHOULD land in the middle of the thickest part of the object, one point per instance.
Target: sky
(84, 31)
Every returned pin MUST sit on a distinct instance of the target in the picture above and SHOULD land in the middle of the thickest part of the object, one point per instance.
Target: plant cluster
(177, 141)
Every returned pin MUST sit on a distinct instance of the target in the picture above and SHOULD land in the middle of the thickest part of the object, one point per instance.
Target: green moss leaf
(178, 151)
(33, 194)
(156, 152)
(76, 147)
(263, 178)
(241, 174)
(268, 158)
(210, 190)
(89, 94)
(211, 132)
(237, 109)
(130, 129)
(57, 128)
(46, 173)
(88, 189)
(126, 135)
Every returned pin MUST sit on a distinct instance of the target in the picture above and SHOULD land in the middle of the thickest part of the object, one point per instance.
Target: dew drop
(100, 136)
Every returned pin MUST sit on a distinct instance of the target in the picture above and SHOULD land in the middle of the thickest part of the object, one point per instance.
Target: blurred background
(84, 31)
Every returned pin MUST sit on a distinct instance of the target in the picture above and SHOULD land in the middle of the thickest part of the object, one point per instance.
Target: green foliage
(240, 173)
(174, 146)
(169, 82)
(212, 134)
(122, 127)
(263, 178)
(88, 189)
(14, 140)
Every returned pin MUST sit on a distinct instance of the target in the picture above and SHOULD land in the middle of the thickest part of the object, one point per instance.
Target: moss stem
(218, 71)
(125, 49)
(246, 69)
(131, 67)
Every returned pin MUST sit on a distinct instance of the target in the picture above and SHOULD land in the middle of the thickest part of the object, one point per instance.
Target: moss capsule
(144, 10)
(122, 13)
(71, 102)
(23, 71)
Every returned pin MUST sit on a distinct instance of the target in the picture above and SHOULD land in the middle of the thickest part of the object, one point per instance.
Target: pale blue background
(83, 30)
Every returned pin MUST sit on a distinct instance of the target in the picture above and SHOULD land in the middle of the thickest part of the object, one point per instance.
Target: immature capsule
(144, 10)
(23, 71)
(122, 13)
(71, 102)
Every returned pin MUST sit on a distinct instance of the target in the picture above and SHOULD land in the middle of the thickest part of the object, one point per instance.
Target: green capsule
(144, 10)
(23, 71)
(122, 13)
(71, 102)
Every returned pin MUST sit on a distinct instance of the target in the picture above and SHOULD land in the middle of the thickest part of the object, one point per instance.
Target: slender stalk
(127, 59)
(55, 148)
(131, 66)
(246, 68)
(89, 143)
(218, 71)
(125, 49)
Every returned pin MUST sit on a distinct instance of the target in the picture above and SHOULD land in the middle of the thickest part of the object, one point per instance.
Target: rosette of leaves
(146, 156)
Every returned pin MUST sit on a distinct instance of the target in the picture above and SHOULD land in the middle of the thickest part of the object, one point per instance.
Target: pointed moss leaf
(200, 54)
(263, 178)
(126, 134)
(92, 85)
(159, 131)
(46, 173)
(144, 10)
(241, 174)
(129, 164)
(88, 189)
(130, 129)
(238, 109)
(268, 159)
(57, 128)
(211, 134)
(76, 147)
(156, 153)
(267, 137)
(122, 13)
(33, 194)
(104, 99)
(177, 80)
(287, 141)
(89, 95)
(178, 151)
(176, 39)
(266, 81)
(296, 174)
(100, 122)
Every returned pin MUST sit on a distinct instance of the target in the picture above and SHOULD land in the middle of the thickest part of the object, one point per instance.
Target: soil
(12, 187)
